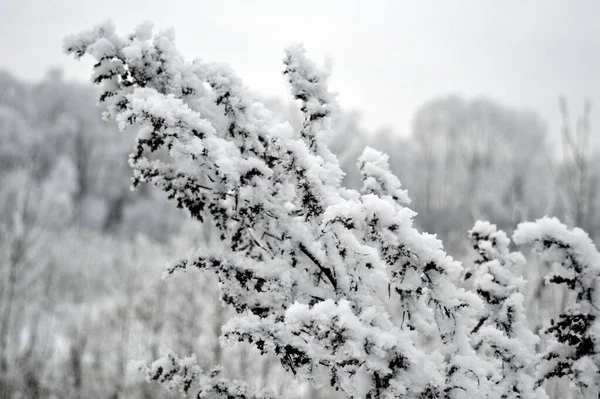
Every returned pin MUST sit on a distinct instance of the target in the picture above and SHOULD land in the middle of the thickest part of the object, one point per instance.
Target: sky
(387, 57)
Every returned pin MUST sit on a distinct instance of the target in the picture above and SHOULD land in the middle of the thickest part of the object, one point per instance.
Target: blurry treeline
(81, 254)
(476, 159)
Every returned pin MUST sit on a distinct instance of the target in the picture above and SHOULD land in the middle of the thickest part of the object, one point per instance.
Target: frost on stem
(181, 375)
(308, 82)
(501, 333)
(573, 350)
(377, 177)
(311, 267)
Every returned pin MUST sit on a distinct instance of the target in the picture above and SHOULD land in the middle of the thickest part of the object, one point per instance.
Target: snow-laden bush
(573, 349)
(501, 333)
(336, 283)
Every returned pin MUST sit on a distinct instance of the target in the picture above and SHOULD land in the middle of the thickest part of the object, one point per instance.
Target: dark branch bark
(326, 271)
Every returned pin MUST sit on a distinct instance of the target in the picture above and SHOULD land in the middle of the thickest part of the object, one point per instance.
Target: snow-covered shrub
(315, 272)
(501, 332)
(573, 348)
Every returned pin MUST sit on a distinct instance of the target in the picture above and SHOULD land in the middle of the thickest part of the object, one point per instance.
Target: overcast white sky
(388, 56)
